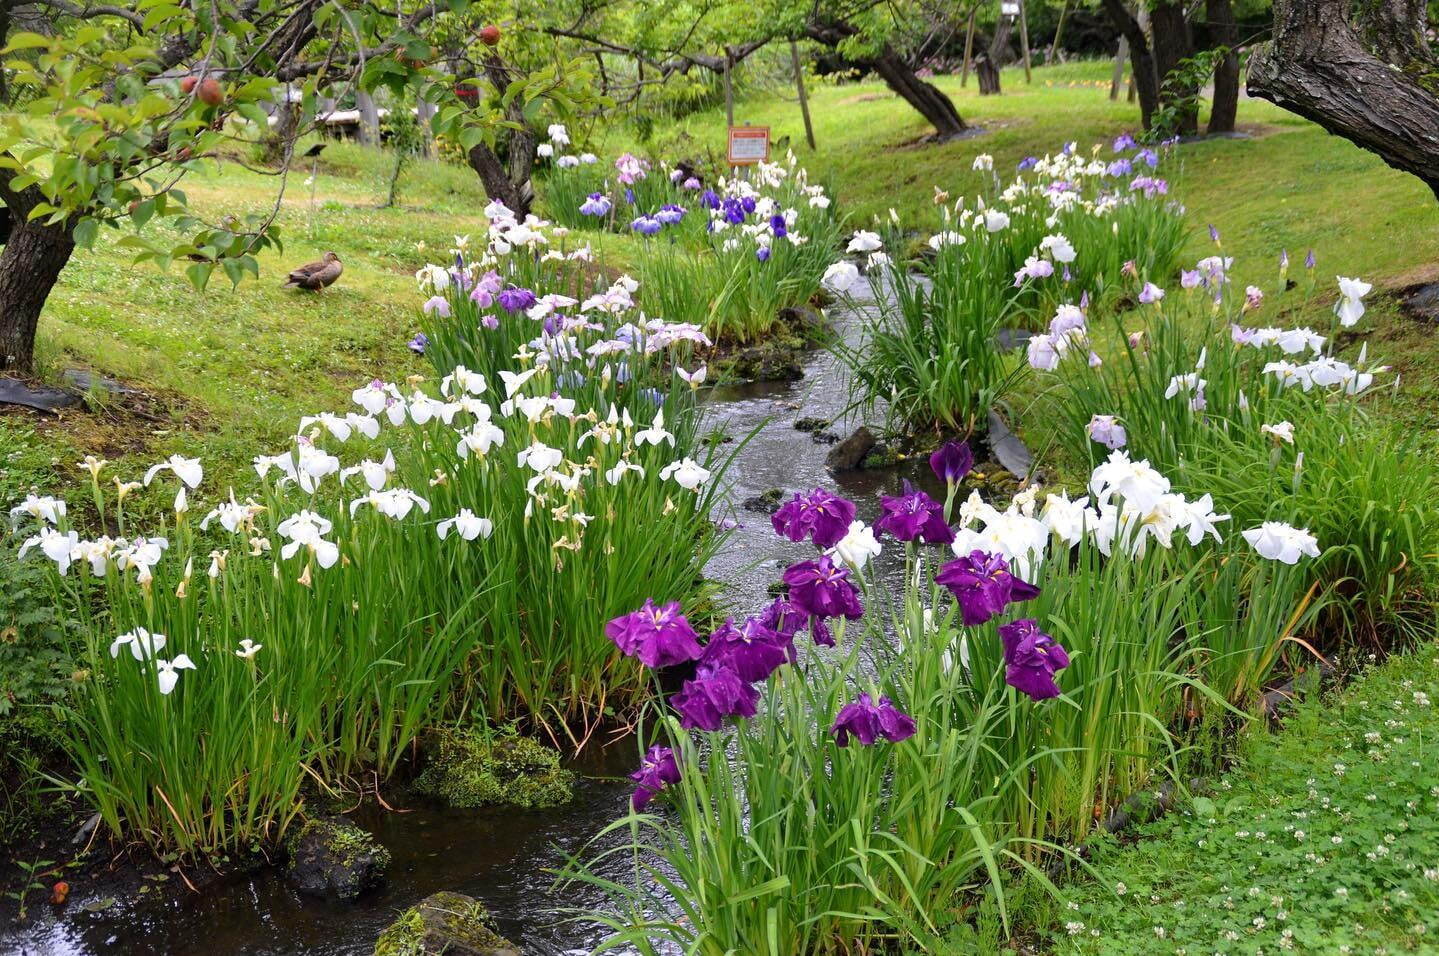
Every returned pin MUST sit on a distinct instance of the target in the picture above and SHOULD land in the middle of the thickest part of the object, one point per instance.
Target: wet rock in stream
(851, 452)
(336, 860)
(765, 503)
(810, 424)
(448, 923)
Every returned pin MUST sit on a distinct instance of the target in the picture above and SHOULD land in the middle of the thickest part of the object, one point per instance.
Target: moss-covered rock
(448, 923)
(335, 859)
(471, 769)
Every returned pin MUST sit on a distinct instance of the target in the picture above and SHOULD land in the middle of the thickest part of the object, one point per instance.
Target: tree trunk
(496, 179)
(369, 118)
(1172, 44)
(894, 69)
(988, 74)
(30, 263)
(1141, 59)
(1224, 32)
(1317, 66)
(5, 6)
(929, 100)
(1000, 49)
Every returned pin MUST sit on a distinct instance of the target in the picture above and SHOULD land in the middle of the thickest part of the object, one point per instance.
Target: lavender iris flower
(822, 589)
(1028, 162)
(658, 768)
(868, 721)
(630, 196)
(1309, 260)
(749, 649)
(419, 343)
(822, 516)
(762, 253)
(1121, 167)
(437, 305)
(597, 204)
(490, 322)
(710, 199)
(1149, 156)
(646, 225)
(516, 299)
(1031, 659)
(912, 515)
(669, 214)
(656, 636)
(983, 586)
(1124, 141)
(714, 694)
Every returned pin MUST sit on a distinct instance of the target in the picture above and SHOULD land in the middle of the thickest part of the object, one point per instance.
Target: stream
(503, 857)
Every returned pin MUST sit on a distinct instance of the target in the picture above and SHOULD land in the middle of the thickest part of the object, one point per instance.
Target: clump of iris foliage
(1322, 840)
(1027, 671)
(940, 738)
(446, 542)
(729, 255)
(1268, 419)
(1066, 229)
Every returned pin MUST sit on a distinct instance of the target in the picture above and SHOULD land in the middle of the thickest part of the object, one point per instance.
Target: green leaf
(199, 274)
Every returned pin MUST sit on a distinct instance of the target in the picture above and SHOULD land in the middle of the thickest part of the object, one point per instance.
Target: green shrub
(470, 768)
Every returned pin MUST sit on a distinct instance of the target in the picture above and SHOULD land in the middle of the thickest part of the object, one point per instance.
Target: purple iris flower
(1031, 658)
(822, 588)
(747, 204)
(1028, 162)
(822, 516)
(419, 343)
(710, 199)
(733, 212)
(1309, 260)
(714, 694)
(596, 204)
(983, 586)
(516, 299)
(437, 305)
(1149, 156)
(912, 515)
(749, 649)
(951, 462)
(630, 196)
(1124, 141)
(762, 253)
(646, 225)
(778, 226)
(1121, 167)
(784, 620)
(490, 322)
(658, 768)
(1213, 233)
(868, 721)
(670, 214)
(657, 636)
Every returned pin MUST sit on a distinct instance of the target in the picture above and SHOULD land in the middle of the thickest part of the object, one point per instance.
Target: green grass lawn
(1323, 839)
(227, 369)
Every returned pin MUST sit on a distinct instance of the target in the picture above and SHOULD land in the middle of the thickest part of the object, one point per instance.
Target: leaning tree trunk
(894, 69)
(1141, 58)
(929, 100)
(498, 180)
(30, 263)
(1224, 32)
(1318, 66)
(1001, 50)
(1172, 45)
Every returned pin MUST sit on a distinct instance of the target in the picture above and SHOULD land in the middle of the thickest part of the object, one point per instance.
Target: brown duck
(316, 275)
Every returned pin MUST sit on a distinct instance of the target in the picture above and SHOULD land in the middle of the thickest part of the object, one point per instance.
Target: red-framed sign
(748, 145)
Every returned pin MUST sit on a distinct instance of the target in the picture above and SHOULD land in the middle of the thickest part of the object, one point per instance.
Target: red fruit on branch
(187, 85)
(490, 35)
(211, 92)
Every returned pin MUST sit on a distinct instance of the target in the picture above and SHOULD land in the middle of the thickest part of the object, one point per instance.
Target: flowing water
(503, 857)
